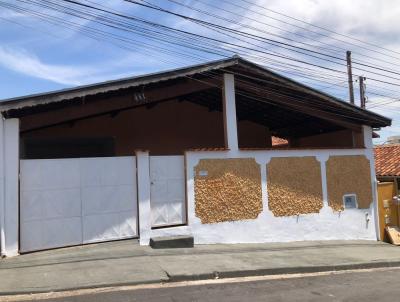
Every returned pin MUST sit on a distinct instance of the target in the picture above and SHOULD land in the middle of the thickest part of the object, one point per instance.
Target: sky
(38, 56)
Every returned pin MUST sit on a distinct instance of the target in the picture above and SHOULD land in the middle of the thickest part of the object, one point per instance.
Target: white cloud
(26, 63)
(357, 16)
(19, 60)
(9, 14)
(389, 108)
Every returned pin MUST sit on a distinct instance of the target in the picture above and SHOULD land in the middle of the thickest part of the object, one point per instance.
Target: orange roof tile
(277, 141)
(387, 160)
(207, 149)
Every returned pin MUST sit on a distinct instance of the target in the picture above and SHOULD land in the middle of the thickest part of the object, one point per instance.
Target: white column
(368, 143)
(230, 121)
(323, 159)
(2, 194)
(10, 172)
(367, 135)
(143, 182)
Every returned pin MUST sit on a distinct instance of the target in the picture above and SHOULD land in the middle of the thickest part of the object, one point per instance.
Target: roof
(317, 101)
(279, 142)
(387, 160)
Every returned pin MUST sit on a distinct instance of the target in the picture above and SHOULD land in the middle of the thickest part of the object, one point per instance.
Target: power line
(196, 20)
(279, 62)
(97, 34)
(167, 28)
(266, 40)
(339, 50)
(197, 35)
(321, 28)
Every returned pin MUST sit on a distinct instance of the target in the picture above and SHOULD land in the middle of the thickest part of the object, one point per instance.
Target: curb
(283, 270)
(219, 275)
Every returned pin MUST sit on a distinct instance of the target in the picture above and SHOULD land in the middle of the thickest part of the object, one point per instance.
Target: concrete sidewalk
(127, 263)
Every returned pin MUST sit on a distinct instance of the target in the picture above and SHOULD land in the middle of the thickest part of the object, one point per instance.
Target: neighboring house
(186, 152)
(387, 164)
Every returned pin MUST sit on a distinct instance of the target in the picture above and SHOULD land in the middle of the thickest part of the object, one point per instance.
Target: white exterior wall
(326, 225)
(9, 193)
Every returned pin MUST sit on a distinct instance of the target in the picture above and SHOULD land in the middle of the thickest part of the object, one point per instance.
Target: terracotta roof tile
(277, 141)
(208, 149)
(387, 160)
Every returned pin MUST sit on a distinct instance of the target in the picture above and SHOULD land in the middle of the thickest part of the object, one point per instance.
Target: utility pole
(362, 92)
(350, 76)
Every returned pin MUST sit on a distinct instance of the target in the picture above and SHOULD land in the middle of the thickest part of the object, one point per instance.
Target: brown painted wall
(251, 135)
(168, 128)
(338, 139)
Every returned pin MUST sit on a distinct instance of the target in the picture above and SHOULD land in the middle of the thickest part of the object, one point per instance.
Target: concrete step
(171, 242)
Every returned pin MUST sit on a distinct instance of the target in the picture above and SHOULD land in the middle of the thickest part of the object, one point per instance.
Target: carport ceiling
(281, 122)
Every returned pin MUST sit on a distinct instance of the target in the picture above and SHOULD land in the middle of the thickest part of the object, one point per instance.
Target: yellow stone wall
(294, 185)
(350, 174)
(227, 190)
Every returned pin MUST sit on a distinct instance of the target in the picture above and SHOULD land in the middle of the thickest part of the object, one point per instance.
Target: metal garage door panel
(50, 206)
(109, 206)
(47, 234)
(168, 201)
(73, 201)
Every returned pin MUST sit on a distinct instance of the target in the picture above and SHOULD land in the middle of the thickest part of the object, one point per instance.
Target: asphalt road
(373, 285)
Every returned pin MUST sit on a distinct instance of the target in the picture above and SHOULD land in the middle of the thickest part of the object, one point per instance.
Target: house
(387, 165)
(186, 152)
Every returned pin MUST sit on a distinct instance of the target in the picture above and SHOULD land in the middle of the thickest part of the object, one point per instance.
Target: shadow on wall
(294, 186)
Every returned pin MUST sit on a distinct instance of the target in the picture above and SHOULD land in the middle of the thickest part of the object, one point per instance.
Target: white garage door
(67, 202)
(167, 190)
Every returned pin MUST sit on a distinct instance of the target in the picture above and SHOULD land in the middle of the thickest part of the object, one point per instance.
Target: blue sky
(36, 56)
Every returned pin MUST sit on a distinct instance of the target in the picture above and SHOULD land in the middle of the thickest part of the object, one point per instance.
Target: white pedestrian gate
(167, 193)
(67, 202)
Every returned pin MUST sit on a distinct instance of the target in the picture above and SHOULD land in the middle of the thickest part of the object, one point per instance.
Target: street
(367, 285)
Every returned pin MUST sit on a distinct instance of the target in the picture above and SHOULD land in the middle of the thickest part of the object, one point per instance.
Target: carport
(108, 161)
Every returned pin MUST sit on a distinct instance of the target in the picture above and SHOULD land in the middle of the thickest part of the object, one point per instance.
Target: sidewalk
(127, 263)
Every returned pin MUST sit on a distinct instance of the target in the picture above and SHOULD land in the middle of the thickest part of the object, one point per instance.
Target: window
(350, 201)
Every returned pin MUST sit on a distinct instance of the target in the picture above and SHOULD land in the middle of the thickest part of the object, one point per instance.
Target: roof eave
(82, 91)
(114, 85)
(384, 121)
